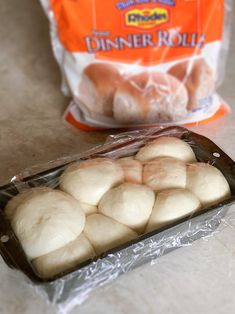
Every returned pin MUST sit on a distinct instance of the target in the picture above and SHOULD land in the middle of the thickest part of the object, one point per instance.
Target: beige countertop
(192, 280)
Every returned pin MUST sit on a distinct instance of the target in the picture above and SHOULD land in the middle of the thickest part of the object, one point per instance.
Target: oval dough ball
(198, 78)
(171, 205)
(99, 82)
(166, 146)
(129, 204)
(89, 180)
(150, 97)
(68, 256)
(165, 173)
(15, 202)
(207, 183)
(105, 233)
(132, 169)
(47, 221)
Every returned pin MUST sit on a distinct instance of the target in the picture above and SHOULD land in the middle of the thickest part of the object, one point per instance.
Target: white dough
(165, 173)
(89, 180)
(47, 221)
(132, 169)
(68, 256)
(105, 233)
(130, 204)
(89, 209)
(171, 205)
(166, 147)
(15, 202)
(207, 183)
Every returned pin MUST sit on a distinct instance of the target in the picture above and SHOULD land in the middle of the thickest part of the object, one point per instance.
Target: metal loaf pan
(138, 251)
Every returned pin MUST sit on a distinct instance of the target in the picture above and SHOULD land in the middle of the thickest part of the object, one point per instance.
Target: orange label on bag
(145, 31)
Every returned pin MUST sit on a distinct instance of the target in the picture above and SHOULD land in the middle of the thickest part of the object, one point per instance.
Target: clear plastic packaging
(150, 64)
(73, 286)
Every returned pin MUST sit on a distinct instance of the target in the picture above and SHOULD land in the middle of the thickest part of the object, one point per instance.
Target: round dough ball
(207, 183)
(166, 146)
(198, 78)
(150, 97)
(89, 180)
(130, 204)
(47, 221)
(68, 256)
(15, 202)
(132, 169)
(171, 205)
(105, 233)
(165, 173)
(99, 82)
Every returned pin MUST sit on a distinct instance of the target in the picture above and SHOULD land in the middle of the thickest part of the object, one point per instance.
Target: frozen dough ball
(15, 202)
(171, 205)
(99, 82)
(132, 169)
(68, 256)
(207, 183)
(150, 97)
(198, 78)
(89, 180)
(47, 221)
(166, 146)
(105, 233)
(129, 204)
(165, 173)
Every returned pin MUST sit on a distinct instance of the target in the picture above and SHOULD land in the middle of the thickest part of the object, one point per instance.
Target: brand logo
(146, 18)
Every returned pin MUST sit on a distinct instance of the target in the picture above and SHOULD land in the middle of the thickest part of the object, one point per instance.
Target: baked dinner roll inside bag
(79, 222)
(129, 63)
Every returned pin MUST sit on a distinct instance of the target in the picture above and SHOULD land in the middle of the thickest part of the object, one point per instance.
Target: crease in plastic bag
(74, 288)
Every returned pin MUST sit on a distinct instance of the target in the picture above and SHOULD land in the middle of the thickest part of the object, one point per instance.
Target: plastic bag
(140, 62)
(73, 286)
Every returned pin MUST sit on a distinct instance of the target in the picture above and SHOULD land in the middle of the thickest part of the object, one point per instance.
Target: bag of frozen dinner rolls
(140, 62)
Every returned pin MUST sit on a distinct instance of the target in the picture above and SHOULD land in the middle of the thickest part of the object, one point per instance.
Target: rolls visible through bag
(198, 78)
(98, 85)
(150, 97)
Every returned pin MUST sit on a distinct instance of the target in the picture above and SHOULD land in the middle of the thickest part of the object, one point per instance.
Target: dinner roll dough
(132, 169)
(105, 233)
(171, 205)
(166, 146)
(165, 173)
(198, 78)
(130, 204)
(150, 97)
(89, 180)
(47, 221)
(66, 257)
(15, 202)
(207, 183)
(99, 82)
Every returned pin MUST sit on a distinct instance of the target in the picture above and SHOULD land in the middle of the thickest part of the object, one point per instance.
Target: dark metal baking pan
(185, 230)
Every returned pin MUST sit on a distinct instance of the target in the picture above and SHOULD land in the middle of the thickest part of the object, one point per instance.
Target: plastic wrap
(74, 285)
(150, 64)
